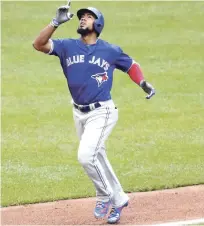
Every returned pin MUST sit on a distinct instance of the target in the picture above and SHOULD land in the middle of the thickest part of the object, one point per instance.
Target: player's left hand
(148, 88)
(63, 15)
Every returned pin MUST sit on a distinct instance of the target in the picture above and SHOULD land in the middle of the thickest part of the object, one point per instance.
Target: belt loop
(92, 106)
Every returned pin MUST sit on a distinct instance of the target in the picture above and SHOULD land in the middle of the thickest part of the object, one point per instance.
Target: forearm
(135, 73)
(45, 35)
(137, 76)
(41, 41)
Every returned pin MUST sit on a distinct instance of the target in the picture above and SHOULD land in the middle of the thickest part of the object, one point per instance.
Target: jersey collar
(89, 49)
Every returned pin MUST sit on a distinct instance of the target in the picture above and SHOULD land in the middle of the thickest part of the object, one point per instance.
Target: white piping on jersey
(52, 46)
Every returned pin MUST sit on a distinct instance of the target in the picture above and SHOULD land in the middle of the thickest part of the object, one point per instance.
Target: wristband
(54, 23)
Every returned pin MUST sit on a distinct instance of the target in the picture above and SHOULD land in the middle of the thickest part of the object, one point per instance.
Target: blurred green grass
(156, 144)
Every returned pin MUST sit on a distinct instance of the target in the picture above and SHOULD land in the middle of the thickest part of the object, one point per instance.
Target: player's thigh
(78, 124)
(98, 127)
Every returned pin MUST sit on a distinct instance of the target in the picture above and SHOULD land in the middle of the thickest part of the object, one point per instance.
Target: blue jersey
(89, 68)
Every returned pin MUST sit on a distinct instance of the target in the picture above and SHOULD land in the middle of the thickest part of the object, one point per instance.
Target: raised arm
(42, 42)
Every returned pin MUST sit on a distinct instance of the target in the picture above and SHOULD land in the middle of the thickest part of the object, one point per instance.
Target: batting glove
(148, 88)
(62, 15)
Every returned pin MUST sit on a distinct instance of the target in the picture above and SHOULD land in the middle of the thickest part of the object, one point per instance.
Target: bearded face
(86, 24)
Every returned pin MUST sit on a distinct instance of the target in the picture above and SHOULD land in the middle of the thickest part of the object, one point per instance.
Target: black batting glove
(148, 88)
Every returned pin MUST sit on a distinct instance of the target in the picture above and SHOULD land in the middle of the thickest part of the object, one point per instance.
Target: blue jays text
(80, 59)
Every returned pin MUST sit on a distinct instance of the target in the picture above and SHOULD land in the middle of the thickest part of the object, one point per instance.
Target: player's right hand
(62, 15)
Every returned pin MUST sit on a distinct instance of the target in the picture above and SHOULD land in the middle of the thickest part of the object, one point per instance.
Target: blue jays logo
(100, 78)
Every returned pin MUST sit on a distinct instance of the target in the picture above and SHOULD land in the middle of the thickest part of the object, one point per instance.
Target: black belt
(87, 108)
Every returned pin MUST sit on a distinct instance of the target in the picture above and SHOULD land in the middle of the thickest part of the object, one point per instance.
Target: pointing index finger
(68, 3)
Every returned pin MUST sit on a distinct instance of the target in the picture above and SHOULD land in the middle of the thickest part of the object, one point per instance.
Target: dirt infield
(179, 204)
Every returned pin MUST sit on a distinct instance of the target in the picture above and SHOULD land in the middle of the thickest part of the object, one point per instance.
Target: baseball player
(88, 64)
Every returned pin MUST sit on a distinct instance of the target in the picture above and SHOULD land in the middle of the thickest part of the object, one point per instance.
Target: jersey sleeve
(123, 61)
(56, 47)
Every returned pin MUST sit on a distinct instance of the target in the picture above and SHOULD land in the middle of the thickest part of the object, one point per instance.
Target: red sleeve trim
(135, 73)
